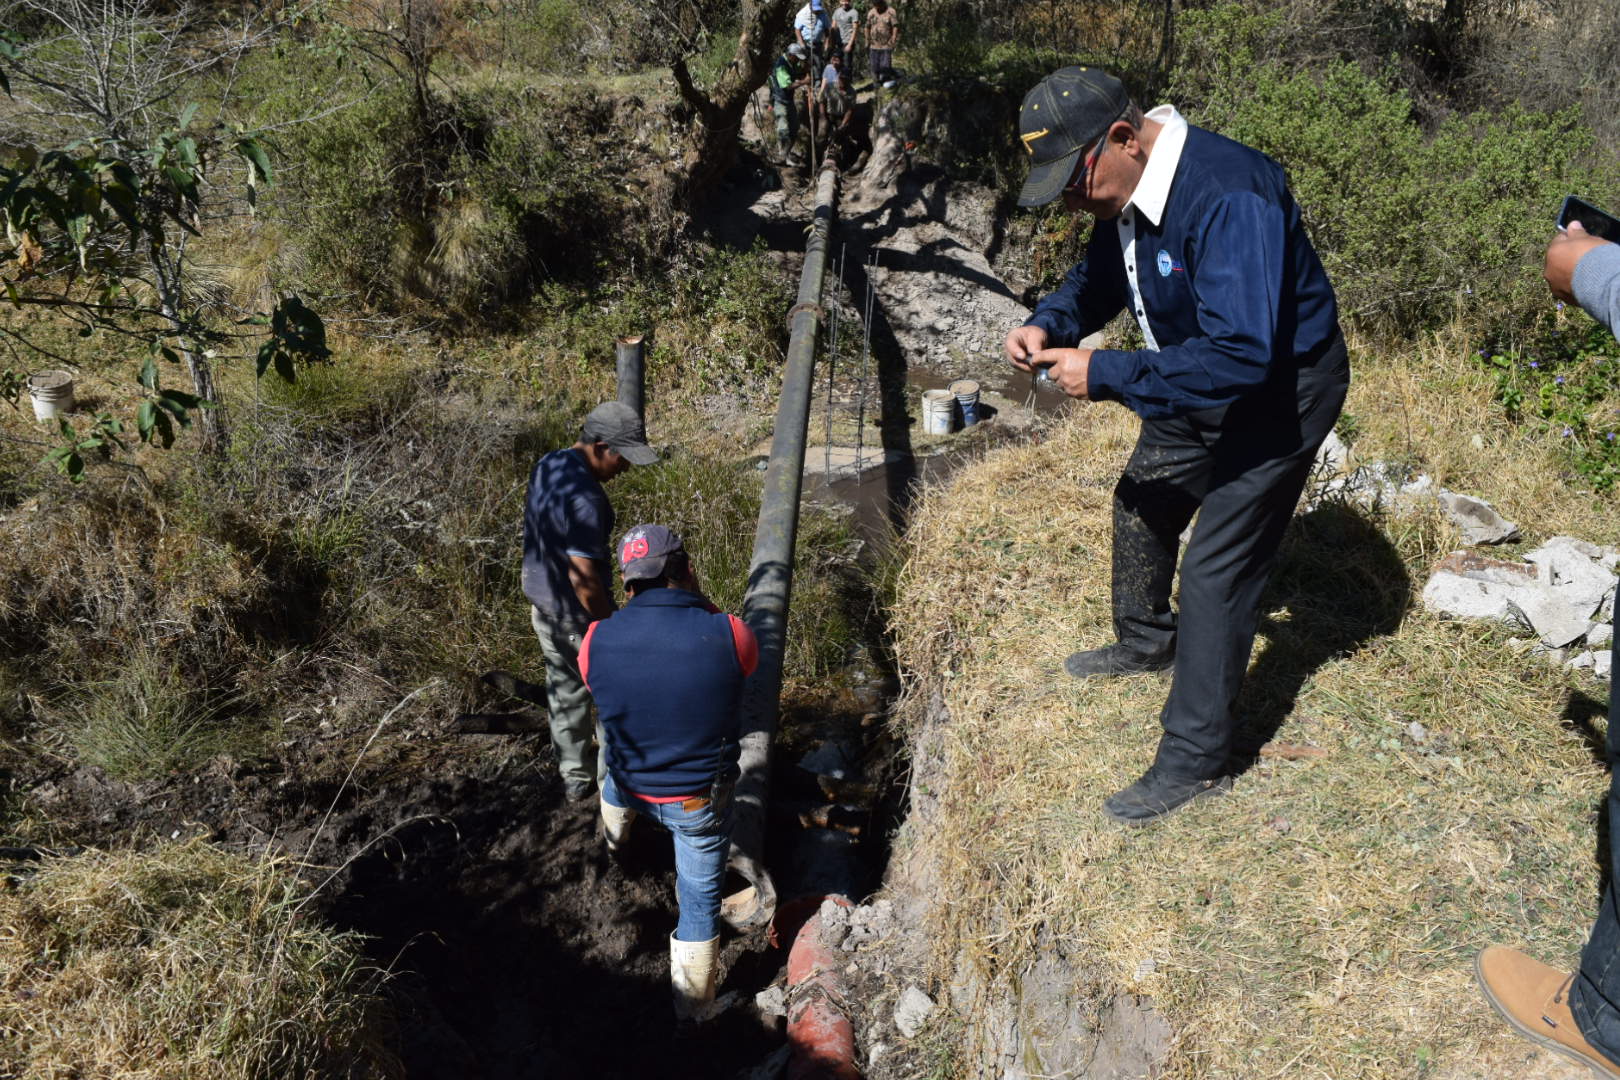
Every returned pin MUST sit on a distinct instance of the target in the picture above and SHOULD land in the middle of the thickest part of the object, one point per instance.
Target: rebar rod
(770, 574)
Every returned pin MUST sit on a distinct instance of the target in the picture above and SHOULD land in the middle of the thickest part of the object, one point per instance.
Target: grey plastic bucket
(939, 412)
(967, 400)
(51, 393)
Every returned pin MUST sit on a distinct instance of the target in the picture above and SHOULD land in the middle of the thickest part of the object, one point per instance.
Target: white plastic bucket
(939, 412)
(966, 392)
(51, 393)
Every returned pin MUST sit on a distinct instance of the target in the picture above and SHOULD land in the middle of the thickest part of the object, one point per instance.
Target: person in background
(835, 99)
(1574, 1013)
(567, 522)
(811, 27)
(846, 23)
(1242, 376)
(789, 75)
(882, 38)
(667, 674)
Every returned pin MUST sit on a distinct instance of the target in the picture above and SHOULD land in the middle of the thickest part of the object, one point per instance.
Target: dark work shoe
(1155, 795)
(578, 790)
(1114, 660)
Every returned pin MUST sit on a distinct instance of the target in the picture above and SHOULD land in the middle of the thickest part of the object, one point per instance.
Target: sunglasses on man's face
(1086, 163)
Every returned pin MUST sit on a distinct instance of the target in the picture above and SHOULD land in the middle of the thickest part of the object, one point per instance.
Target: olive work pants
(568, 702)
(1595, 996)
(1240, 468)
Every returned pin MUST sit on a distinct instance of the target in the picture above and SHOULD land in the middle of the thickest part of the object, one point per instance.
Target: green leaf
(187, 114)
(267, 353)
(168, 354)
(258, 161)
(181, 398)
(145, 420)
(183, 182)
(186, 148)
(149, 374)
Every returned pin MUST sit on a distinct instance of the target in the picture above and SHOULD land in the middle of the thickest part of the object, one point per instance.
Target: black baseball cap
(617, 424)
(645, 550)
(1063, 115)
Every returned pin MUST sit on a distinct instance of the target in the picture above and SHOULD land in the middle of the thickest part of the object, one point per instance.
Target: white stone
(1553, 620)
(1332, 456)
(771, 1001)
(912, 1011)
(1601, 662)
(1469, 598)
(1600, 634)
(1480, 524)
(1583, 660)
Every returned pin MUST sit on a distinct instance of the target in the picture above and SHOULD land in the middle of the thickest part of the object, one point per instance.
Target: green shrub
(1567, 383)
(1415, 230)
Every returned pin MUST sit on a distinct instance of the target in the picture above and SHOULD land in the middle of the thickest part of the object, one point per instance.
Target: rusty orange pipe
(818, 1028)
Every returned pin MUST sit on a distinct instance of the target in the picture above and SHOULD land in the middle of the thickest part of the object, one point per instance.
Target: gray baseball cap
(617, 424)
(1065, 113)
(645, 550)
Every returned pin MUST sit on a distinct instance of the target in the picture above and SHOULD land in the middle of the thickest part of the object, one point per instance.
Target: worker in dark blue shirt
(1242, 376)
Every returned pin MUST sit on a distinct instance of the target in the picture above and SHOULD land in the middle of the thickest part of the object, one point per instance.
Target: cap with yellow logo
(1064, 114)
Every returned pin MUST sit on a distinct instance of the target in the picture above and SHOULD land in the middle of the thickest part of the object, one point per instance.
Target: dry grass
(186, 962)
(1320, 921)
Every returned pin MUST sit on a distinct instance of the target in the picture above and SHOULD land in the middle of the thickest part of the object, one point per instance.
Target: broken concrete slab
(1600, 634)
(1553, 620)
(1601, 662)
(1464, 597)
(1479, 522)
(1566, 561)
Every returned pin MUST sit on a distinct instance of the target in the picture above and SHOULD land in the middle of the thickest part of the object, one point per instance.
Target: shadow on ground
(1342, 585)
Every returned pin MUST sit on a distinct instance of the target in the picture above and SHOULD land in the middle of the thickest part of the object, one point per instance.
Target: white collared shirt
(1149, 199)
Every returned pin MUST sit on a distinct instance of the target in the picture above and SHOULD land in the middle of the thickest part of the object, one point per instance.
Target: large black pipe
(630, 361)
(770, 575)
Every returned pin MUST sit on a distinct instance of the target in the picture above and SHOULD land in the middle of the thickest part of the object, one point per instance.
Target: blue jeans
(1595, 997)
(702, 841)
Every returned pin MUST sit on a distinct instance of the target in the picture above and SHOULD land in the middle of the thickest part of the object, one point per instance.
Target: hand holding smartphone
(1594, 221)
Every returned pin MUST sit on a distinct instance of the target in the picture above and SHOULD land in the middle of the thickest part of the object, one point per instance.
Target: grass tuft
(186, 961)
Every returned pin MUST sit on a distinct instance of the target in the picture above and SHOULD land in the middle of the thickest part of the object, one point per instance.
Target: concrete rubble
(1563, 592)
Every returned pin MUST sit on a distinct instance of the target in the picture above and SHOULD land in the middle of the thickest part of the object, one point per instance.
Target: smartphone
(1593, 220)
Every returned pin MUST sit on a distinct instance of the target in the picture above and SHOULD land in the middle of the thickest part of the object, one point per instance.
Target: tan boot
(691, 976)
(1534, 998)
(615, 825)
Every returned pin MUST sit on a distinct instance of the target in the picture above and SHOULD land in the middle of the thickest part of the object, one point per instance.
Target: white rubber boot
(691, 976)
(615, 824)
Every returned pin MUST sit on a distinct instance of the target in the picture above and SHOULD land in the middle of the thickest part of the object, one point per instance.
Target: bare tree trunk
(766, 25)
(211, 422)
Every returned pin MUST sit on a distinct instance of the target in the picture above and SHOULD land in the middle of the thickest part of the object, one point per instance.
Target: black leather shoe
(1114, 659)
(1155, 795)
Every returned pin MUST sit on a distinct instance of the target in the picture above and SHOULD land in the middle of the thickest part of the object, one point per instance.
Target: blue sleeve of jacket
(1091, 294)
(1596, 285)
(1238, 289)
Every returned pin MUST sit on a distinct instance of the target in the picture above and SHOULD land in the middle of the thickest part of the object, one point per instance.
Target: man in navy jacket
(666, 672)
(1242, 376)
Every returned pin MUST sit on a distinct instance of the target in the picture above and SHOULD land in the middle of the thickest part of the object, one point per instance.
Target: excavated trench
(516, 948)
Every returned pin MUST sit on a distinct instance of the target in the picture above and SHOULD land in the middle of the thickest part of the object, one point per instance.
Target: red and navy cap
(1065, 113)
(645, 550)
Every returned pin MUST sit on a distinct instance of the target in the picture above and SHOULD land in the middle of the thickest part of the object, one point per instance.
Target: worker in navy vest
(568, 574)
(1241, 376)
(667, 672)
